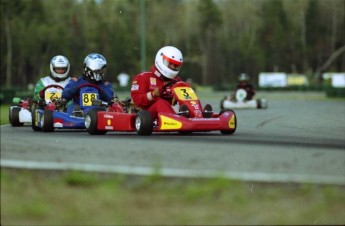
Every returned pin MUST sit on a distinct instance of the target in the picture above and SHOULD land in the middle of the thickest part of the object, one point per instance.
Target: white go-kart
(20, 113)
(239, 101)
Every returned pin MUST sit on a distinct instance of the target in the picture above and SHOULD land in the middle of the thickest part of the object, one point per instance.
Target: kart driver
(243, 83)
(147, 91)
(94, 72)
(59, 69)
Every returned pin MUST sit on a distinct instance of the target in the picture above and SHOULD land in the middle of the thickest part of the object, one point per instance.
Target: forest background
(219, 38)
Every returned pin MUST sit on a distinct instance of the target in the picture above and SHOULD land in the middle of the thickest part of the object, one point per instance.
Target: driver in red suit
(148, 91)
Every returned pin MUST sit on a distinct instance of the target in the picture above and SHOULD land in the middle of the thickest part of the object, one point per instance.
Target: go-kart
(190, 116)
(20, 113)
(56, 116)
(240, 101)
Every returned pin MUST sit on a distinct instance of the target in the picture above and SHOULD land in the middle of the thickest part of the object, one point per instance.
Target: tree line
(219, 38)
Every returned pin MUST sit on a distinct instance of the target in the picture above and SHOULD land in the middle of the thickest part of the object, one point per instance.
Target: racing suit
(71, 90)
(143, 85)
(46, 81)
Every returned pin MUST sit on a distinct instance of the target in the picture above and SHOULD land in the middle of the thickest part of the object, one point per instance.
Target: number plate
(185, 93)
(87, 98)
(50, 95)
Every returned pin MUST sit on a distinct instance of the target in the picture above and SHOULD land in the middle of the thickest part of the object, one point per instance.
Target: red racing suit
(143, 85)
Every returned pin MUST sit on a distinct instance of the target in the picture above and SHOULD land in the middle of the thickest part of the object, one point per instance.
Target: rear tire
(10, 115)
(144, 123)
(91, 122)
(47, 121)
(228, 132)
(258, 103)
(14, 117)
(262, 103)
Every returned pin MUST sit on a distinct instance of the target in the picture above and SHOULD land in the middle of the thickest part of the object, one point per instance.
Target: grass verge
(79, 198)
(4, 114)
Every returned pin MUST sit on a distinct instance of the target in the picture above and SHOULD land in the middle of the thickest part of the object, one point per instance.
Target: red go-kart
(190, 117)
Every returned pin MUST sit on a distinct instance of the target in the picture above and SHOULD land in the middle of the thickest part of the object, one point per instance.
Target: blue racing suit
(71, 91)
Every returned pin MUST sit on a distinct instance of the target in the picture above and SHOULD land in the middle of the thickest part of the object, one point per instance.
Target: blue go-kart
(57, 115)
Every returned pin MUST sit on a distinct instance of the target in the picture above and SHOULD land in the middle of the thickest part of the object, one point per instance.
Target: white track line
(170, 172)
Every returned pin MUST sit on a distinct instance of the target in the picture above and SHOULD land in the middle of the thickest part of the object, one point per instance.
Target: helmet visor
(60, 70)
(171, 63)
(98, 75)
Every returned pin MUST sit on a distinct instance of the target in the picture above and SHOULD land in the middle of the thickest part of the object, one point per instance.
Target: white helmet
(169, 61)
(95, 67)
(243, 77)
(59, 62)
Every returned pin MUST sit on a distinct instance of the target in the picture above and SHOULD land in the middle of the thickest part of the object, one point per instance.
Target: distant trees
(210, 21)
(274, 36)
(219, 38)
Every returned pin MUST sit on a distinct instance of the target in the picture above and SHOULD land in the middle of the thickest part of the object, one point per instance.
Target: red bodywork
(116, 119)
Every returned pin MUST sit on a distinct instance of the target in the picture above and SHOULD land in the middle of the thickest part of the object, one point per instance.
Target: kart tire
(261, 103)
(91, 121)
(47, 121)
(14, 117)
(144, 123)
(258, 103)
(34, 120)
(228, 132)
(10, 115)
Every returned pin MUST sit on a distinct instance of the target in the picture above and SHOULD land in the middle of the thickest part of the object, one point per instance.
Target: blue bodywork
(74, 117)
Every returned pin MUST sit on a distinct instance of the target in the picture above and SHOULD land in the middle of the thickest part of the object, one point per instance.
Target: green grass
(4, 114)
(76, 198)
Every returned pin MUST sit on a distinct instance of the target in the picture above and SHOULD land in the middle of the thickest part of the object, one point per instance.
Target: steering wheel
(90, 85)
(169, 84)
(166, 91)
(47, 87)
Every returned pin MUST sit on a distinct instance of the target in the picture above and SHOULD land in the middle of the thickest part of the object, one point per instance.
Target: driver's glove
(102, 95)
(41, 103)
(62, 101)
(156, 92)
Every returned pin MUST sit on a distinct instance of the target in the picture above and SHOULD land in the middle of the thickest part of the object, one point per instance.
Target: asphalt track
(294, 140)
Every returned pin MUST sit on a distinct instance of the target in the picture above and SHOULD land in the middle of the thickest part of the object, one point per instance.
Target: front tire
(34, 120)
(144, 123)
(47, 121)
(91, 121)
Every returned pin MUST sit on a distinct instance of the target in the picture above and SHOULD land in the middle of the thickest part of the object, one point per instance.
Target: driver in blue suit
(93, 75)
